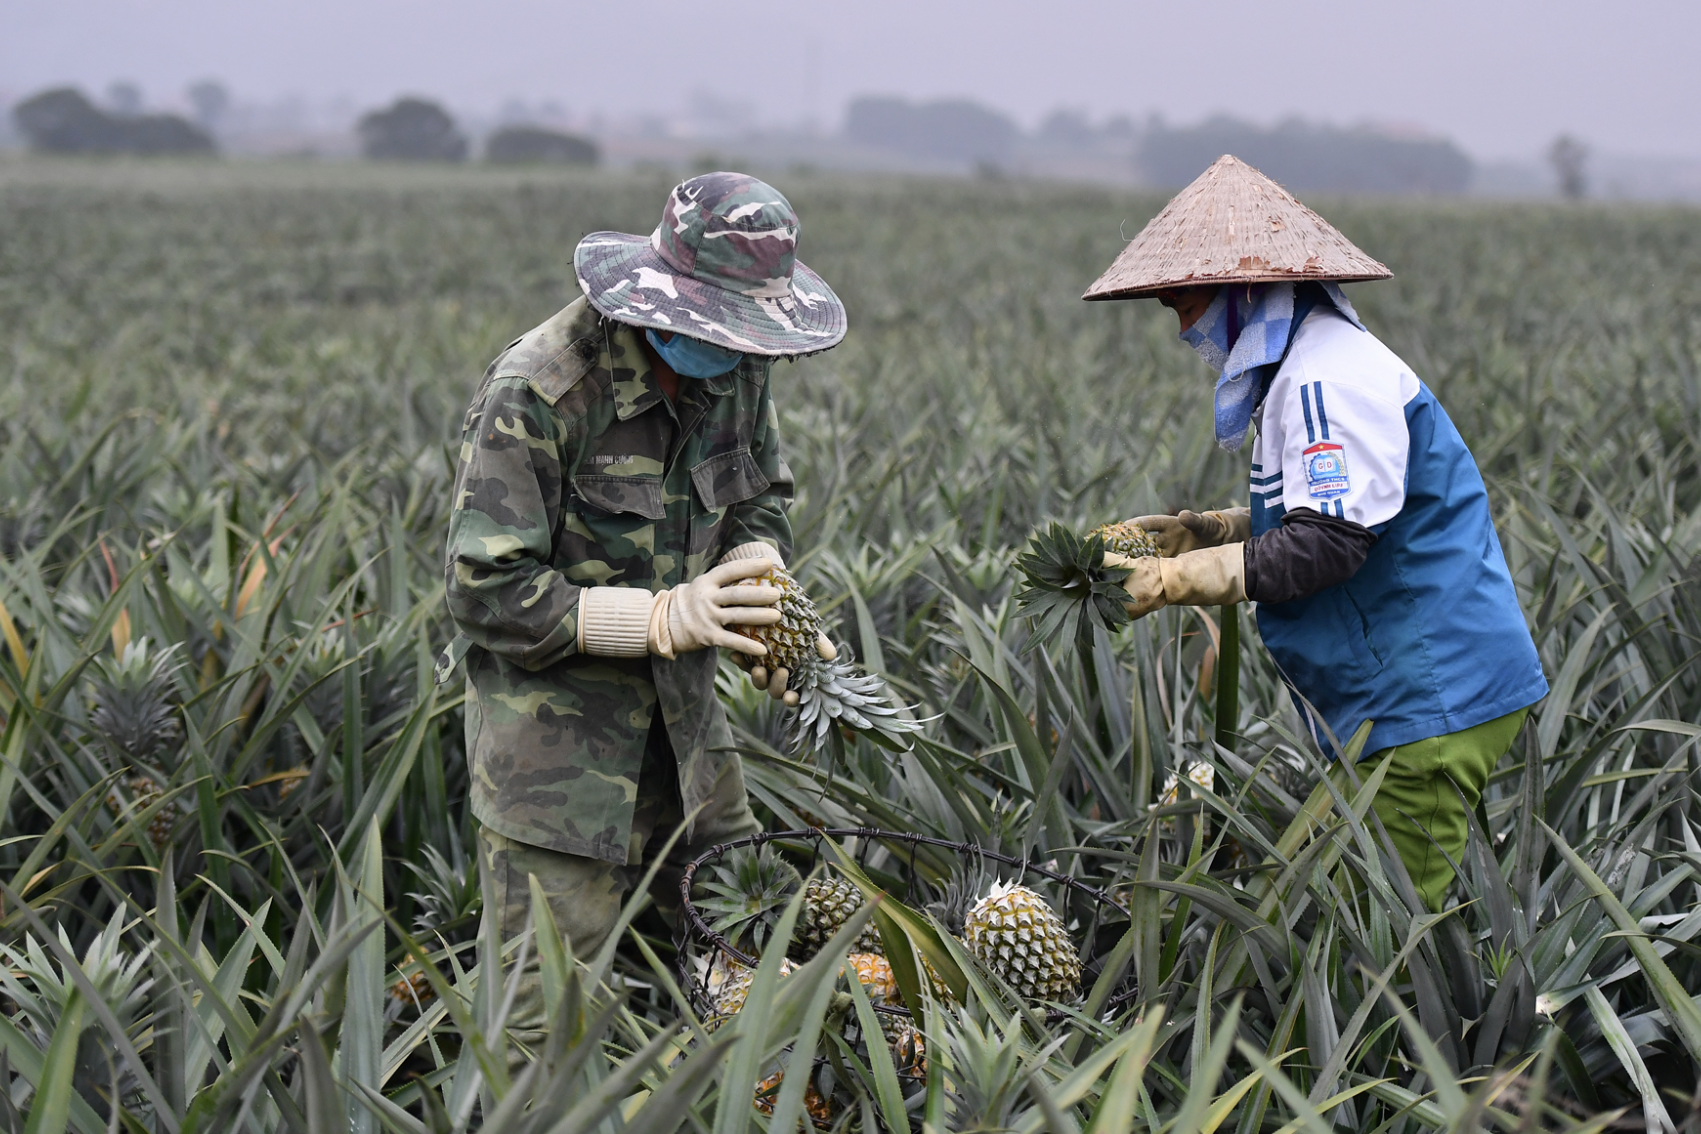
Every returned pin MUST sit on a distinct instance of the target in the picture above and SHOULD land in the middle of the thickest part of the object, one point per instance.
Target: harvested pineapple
(909, 1051)
(1015, 934)
(820, 1109)
(827, 903)
(829, 690)
(875, 974)
(1127, 539)
(1069, 586)
(729, 986)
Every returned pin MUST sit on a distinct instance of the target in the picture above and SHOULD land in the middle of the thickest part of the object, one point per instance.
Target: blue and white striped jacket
(1427, 638)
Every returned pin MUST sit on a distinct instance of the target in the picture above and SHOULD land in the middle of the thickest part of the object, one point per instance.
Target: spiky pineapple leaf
(1069, 590)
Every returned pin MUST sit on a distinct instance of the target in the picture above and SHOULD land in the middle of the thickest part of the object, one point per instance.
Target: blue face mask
(694, 358)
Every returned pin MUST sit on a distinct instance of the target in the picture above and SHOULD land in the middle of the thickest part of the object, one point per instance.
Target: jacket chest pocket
(727, 479)
(609, 531)
(720, 482)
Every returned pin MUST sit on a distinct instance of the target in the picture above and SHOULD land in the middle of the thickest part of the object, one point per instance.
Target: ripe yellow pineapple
(829, 690)
(1200, 774)
(1015, 934)
(875, 973)
(909, 1052)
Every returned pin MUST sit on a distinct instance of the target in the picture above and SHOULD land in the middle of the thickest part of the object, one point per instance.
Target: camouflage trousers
(585, 895)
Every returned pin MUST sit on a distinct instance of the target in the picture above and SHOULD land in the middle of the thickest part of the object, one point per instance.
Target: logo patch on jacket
(1326, 471)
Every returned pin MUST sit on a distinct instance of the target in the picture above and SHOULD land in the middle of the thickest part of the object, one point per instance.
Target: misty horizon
(1501, 81)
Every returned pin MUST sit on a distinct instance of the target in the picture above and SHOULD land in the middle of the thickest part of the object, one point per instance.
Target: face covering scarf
(1245, 333)
(694, 358)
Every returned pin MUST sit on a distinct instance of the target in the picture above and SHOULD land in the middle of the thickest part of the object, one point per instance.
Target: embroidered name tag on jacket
(1326, 471)
(598, 459)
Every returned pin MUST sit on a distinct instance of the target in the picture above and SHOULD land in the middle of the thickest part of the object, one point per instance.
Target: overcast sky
(1502, 78)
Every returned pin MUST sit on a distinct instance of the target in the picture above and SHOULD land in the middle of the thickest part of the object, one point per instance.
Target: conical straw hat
(1232, 225)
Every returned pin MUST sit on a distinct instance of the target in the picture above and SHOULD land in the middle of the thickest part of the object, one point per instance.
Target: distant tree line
(1308, 158)
(64, 121)
(415, 129)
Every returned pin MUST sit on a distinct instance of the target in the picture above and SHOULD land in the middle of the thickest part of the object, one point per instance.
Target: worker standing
(619, 491)
(1382, 591)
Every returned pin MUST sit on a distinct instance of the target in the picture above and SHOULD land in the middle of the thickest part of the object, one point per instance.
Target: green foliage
(229, 399)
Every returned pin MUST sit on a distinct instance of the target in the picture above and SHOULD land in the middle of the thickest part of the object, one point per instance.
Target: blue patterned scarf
(1244, 334)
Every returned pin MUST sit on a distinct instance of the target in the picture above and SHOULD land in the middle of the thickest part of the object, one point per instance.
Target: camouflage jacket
(575, 470)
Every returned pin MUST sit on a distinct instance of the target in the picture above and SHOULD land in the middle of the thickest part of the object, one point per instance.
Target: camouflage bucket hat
(722, 267)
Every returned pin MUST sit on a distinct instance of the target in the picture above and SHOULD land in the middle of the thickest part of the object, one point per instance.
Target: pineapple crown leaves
(1069, 587)
(134, 701)
(451, 893)
(750, 892)
(838, 693)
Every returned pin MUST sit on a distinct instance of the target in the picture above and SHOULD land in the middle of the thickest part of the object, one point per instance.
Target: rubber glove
(624, 622)
(1190, 531)
(774, 681)
(1210, 576)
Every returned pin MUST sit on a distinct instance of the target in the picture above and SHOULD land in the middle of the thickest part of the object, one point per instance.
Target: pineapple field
(1120, 887)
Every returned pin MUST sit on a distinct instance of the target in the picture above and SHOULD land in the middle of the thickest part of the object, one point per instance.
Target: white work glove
(1190, 531)
(774, 681)
(626, 622)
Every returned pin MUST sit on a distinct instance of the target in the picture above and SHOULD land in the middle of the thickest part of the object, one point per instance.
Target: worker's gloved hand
(1190, 531)
(696, 615)
(774, 681)
(1210, 576)
(625, 622)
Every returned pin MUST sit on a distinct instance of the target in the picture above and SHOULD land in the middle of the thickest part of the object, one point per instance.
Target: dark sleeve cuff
(1310, 552)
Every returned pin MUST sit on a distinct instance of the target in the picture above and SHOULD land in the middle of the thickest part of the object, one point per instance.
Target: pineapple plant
(828, 901)
(1069, 586)
(829, 691)
(134, 711)
(1016, 934)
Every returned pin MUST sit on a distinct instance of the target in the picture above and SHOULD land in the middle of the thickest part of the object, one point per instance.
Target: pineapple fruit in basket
(1070, 586)
(1015, 933)
(824, 688)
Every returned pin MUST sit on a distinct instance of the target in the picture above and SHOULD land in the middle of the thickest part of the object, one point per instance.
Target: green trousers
(585, 895)
(1420, 809)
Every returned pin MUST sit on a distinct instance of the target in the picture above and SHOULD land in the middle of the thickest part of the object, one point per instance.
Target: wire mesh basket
(703, 951)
